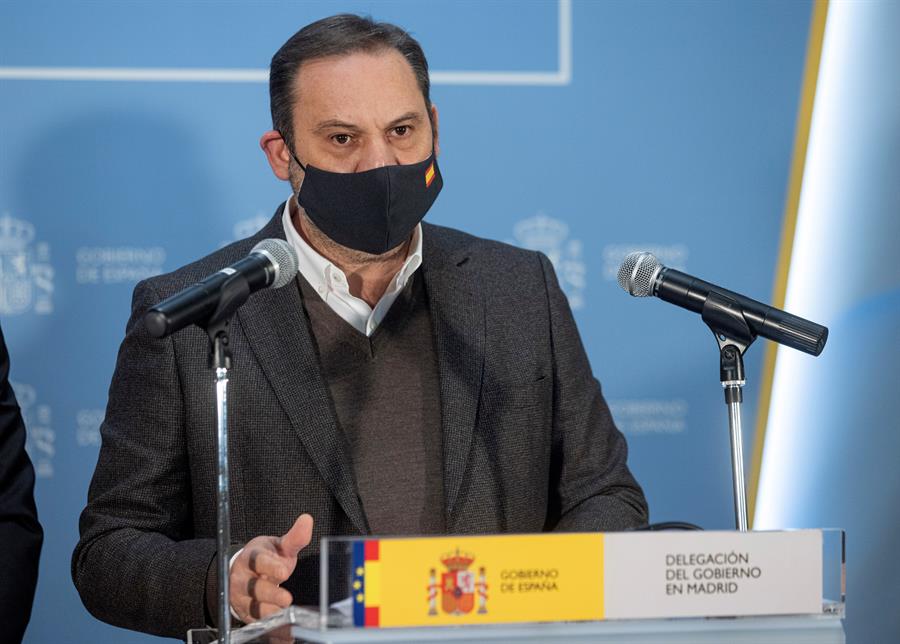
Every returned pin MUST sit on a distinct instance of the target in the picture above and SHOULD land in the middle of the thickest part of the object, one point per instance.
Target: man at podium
(414, 380)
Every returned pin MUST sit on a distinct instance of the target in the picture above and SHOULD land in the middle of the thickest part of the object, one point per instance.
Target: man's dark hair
(334, 36)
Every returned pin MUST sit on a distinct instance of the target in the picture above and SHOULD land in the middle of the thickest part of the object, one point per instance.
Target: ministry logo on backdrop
(118, 264)
(636, 416)
(251, 226)
(87, 427)
(41, 441)
(551, 237)
(26, 275)
(244, 228)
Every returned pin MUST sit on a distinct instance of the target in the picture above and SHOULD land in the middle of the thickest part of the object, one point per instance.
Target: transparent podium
(779, 586)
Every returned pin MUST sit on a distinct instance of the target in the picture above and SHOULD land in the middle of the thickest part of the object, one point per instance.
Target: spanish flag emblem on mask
(429, 175)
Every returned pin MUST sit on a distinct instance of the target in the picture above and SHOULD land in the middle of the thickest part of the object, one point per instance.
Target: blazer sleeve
(592, 488)
(138, 564)
(20, 532)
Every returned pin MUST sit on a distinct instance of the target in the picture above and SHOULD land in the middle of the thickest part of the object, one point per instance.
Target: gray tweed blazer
(528, 441)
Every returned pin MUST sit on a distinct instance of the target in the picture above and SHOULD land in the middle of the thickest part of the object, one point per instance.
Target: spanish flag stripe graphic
(373, 584)
(429, 175)
(358, 589)
(366, 584)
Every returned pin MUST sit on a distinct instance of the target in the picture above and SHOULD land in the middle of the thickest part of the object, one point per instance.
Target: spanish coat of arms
(459, 586)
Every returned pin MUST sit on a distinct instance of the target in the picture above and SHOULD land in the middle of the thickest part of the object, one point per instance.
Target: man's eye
(341, 139)
(401, 130)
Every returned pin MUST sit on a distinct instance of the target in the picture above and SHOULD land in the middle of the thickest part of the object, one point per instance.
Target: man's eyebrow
(416, 117)
(324, 125)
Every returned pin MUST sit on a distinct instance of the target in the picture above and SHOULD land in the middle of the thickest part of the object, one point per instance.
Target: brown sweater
(386, 397)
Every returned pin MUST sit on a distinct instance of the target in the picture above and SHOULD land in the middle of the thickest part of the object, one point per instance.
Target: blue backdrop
(832, 443)
(128, 147)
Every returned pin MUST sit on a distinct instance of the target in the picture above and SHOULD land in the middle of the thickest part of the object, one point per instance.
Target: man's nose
(376, 154)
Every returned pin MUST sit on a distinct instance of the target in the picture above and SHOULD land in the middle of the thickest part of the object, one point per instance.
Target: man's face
(360, 111)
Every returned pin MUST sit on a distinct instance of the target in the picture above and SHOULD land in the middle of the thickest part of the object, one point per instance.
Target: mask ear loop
(294, 156)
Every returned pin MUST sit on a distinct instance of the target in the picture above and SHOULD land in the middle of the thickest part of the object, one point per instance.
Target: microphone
(641, 275)
(271, 264)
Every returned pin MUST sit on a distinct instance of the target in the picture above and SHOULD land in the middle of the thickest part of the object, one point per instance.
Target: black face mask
(372, 211)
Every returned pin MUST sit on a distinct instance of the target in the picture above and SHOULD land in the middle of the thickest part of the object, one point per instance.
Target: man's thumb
(298, 537)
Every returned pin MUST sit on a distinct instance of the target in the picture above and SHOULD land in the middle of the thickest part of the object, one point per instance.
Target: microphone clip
(725, 318)
(234, 292)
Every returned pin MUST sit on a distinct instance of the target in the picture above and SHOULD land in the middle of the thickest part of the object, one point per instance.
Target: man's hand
(260, 568)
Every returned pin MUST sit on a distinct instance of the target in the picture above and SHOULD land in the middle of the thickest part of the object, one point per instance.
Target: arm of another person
(20, 532)
(592, 488)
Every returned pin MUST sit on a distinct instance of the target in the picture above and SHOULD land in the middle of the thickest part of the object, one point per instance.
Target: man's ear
(434, 129)
(277, 154)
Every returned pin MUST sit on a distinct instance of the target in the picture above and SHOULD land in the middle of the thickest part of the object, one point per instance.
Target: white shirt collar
(330, 282)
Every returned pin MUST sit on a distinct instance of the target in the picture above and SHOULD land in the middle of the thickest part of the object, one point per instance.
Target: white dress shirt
(331, 284)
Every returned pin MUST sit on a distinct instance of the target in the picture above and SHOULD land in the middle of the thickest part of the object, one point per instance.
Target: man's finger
(257, 610)
(264, 591)
(265, 610)
(237, 591)
(297, 538)
(265, 563)
(254, 609)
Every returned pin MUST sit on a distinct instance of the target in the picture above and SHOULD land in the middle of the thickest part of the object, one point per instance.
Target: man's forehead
(355, 87)
(355, 68)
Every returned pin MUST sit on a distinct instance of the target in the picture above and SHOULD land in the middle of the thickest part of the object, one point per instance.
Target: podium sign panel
(713, 574)
(477, 580)
(657, 587)
(505, 579)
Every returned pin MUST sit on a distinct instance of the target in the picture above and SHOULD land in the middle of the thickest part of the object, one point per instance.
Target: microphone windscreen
(283, 258)
(638, 272)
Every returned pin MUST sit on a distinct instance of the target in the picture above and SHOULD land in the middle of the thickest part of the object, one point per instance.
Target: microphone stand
(234, 292)
(725, 319)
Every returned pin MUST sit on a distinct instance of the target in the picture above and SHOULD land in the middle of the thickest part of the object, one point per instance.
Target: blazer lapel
(279, 335)
(457, 317)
